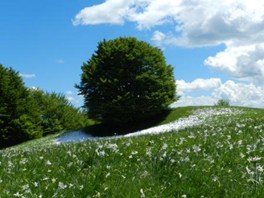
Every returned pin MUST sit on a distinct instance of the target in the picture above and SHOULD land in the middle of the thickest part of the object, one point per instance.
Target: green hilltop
(221, 155)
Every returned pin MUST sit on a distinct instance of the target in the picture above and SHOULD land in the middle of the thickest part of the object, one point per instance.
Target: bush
(126, 80)
(222, 103)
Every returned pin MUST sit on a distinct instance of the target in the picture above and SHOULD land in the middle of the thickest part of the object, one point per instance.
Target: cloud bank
(239, 94)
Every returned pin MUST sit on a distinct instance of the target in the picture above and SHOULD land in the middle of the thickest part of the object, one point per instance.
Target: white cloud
(239, 25)
(158, 36)
(237, 93)
(199, 22)
(197, 84)
(111, 11)
(242, 62)
(241, 94)
(203, 23)
(195, 101)
(27, 75)
(74, 98)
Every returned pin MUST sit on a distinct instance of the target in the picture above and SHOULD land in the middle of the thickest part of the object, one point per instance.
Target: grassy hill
(220, 155)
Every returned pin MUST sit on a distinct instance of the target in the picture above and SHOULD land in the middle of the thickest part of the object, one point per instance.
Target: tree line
(27, 113)
(126, 81)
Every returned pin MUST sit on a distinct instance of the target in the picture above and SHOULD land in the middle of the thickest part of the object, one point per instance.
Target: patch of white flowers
(199, 116)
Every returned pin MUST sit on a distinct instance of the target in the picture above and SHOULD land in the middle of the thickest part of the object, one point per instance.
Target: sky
(215, 47)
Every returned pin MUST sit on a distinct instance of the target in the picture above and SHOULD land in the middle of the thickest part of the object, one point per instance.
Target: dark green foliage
(222, 103)
(29, 113)
(126, 80)
(17, 116)
(56, 112)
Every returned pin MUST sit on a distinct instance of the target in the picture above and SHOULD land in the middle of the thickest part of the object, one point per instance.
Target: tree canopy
(126, 80)
(31, 113)
(16, 111)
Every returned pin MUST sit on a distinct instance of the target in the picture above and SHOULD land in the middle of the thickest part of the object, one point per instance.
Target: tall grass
(222, 157)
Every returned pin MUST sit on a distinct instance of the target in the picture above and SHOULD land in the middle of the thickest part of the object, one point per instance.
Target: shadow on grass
(106, 130)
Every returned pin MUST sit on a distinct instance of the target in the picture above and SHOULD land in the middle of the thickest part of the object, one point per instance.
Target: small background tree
(222, 103)
(126, 80)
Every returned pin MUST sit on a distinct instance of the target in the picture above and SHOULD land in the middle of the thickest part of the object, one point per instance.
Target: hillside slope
(221, 155)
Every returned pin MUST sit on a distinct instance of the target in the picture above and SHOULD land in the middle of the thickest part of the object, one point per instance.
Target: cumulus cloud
(111, 11)
(242, 62)
(240, 94)
(195, 101)
(199, 22)
(203, 23)
(197, 84)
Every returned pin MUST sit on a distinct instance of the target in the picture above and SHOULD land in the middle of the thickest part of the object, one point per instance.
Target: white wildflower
(242, 155)
(101, 153)
(134, 153)
(180, 175)
(113, 147)
(142, 195)
(45, 178)
(107, 175)
(17, 194)
(240, 142)
(62, 185)
(165, 146)
(254, 159)
(260, 168)
(48, 163)
(23, 161)
(106, 188)
(250, 172)
(215, 178)
(25, 187)
(148, 152)
(196, 148)
(69, 152)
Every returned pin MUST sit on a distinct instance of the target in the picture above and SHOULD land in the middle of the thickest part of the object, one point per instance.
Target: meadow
(216, 155)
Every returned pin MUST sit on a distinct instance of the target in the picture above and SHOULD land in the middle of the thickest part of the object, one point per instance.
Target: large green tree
(126, 80)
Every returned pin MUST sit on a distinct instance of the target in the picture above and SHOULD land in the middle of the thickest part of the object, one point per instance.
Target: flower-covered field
(215, 152)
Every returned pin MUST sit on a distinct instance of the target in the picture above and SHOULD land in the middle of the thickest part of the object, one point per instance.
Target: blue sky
(216, 47)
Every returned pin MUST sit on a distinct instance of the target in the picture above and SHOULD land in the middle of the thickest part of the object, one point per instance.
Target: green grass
(223, 157)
